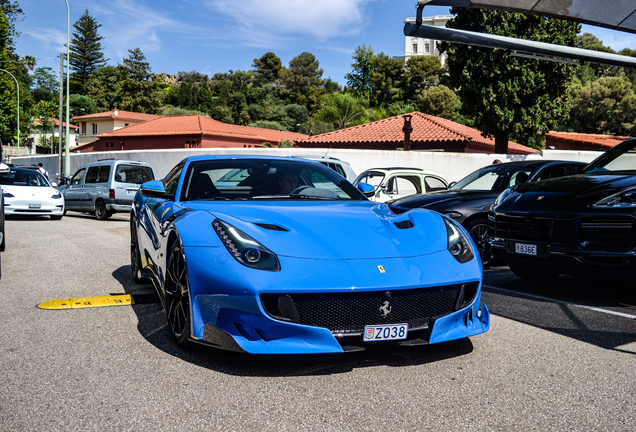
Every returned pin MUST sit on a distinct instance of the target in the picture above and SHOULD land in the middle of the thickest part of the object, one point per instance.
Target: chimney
(115, 113)
(407, 129)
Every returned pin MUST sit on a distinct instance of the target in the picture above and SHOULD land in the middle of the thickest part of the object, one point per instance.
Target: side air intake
(271, 227)
(405, 224)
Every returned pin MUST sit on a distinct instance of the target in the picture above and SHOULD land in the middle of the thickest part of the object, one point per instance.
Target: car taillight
(111, 193)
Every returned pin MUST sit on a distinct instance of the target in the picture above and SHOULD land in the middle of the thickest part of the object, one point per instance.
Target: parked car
(581, 225)
(105, 187)
(244, 265)
(341, 167)
(4, 169)
(469, 200)
(27, 192)
(392, 183)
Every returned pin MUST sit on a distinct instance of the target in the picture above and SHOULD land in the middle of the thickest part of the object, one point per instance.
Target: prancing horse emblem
(385, 309)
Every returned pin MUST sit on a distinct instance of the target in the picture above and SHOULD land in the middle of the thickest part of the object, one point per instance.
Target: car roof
(113, 161)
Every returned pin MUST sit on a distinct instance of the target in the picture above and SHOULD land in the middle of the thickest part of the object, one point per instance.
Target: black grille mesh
(536, 229)
(350, 312)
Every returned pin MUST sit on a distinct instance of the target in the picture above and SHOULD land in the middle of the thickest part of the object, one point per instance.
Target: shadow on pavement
(563, 306)
(154, 328)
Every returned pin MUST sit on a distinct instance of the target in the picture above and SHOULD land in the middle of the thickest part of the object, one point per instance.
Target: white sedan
(28, 192)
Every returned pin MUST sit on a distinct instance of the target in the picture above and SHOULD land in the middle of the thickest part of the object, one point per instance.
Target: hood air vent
(405, 224)
(271, 227)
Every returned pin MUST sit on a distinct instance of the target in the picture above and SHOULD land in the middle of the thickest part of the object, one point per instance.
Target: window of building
(414, 48)
(94, 128)
(427, 47)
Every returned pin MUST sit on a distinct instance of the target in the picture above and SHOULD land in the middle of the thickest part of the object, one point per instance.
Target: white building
(419, 46)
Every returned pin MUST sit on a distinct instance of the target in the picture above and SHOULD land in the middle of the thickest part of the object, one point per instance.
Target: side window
(77, 178)
(172, 179)
(575, 169)
(404, 185)
(518, 178)
(104, 173)
(434, 184)
(92, 174)
(552, 172)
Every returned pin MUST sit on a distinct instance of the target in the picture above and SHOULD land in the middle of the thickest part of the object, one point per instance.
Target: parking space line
(537, 297)
(88, 302)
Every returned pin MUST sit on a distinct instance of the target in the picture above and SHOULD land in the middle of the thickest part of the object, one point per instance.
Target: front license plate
(385, 332)
(526, 249)
(34, 206)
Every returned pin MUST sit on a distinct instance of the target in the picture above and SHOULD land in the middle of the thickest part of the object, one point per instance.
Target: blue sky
(212, 36)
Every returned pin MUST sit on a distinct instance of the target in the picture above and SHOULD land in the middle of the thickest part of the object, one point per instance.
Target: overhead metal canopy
(573, 10)
(612, 14)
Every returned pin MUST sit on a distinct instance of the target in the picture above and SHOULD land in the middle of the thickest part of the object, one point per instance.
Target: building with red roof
(581, 141)
(429, 133)
(92, 125)
(49, 131)
(186, 131)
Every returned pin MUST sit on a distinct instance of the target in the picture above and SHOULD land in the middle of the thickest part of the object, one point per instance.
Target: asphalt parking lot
(558, 356)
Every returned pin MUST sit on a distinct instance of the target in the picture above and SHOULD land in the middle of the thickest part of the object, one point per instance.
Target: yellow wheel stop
(88, 302)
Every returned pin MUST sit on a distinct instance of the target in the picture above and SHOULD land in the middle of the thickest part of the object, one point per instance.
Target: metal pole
(67, 159)
(60, 114)
(17, 86)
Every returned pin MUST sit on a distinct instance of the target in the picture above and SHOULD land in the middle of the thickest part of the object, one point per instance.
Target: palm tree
(29, 63)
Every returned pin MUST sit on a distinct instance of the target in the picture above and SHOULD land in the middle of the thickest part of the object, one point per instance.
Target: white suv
(392, 183)
(341, 167)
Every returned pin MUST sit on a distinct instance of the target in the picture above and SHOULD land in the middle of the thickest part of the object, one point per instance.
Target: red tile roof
(428, 132)
(595, 141)
(118, 114)
(200, 125)
(56, 122)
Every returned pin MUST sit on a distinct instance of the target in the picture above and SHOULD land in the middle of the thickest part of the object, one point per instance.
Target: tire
(533, 274)
(135, 258)
(177, 295)
(100, 210)
(478, 230)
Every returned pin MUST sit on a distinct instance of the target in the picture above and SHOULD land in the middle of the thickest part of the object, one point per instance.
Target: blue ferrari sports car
(270, 255)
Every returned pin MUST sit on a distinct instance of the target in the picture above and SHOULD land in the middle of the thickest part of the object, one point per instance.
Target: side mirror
(366, 189)
(4, 169)
(153, 189)
(383, 187)
(452, 184)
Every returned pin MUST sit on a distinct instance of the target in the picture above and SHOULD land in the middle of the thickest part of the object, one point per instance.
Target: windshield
(23, 177)
(620, 158)
(258, 179)
(495, 178)
(374, 178)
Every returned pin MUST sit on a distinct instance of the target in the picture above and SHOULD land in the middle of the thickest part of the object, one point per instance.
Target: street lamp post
(67, 159)
(17, 86)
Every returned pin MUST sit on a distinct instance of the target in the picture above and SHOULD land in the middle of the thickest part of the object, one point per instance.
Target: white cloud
(266, 21)
(51, 39)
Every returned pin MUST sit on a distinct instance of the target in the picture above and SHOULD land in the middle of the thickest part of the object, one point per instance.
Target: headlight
(624, 199)
(57, 195)
(502, 196)
(458, 245)
(244, 248)
(8, 195)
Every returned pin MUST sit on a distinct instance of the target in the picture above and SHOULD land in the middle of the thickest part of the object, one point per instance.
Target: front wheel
(478, 230)
(533, 274)
(100, 211)
(177, 293)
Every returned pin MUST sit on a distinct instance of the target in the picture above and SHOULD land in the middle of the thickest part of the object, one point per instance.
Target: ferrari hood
(566, 193)
(336, 230)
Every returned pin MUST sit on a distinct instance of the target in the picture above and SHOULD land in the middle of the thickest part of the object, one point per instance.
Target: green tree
(267, 67)
(359, 79)
(103, 87)
(138, 87)
(510, 97)
(342, 110)
(439, 101)
(607, 105)
(387, 78)
(13, 14)
(86, 54)
(81, 105)
(302, 81)
(422, 73)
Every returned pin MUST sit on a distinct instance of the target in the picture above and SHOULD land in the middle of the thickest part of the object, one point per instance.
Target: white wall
(453, 166)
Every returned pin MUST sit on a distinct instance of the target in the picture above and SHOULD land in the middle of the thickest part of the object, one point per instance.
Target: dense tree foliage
(86, 54)
(509, 97)
(138, 87)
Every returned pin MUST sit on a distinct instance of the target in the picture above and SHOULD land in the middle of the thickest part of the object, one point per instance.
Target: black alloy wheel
(533, 274)
(478, 230)
(135, 258)
(177, 292)
(100, 210)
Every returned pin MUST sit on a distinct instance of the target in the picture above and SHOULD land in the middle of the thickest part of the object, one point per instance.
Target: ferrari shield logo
(381, 269)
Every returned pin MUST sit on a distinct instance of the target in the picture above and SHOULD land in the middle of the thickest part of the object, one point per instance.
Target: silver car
(106, 186)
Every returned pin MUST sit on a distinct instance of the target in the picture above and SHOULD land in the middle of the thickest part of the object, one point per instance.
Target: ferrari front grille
(346, 313)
